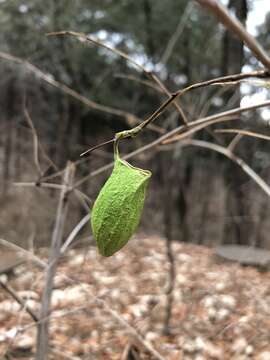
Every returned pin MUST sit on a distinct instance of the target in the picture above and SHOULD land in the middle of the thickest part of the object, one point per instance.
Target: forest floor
(220, 310)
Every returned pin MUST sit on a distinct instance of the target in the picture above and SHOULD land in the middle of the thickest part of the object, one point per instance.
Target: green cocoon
(118, 208)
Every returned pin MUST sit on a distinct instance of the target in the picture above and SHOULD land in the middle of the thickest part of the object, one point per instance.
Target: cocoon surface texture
(118, 208)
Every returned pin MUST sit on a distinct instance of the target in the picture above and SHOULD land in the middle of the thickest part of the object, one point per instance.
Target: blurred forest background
(195, 195)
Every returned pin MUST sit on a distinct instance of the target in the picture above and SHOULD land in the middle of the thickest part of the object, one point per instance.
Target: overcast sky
(257, 15)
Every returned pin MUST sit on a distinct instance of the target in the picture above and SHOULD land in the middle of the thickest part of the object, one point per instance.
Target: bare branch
(174, 96)
(237, 160)
(40, 184)
(75, 232)
(175, 36)
(243, 132)
(240, 133)
(195, 129)
(147, 83)
(228, 79)
(43, 326)
(225, 115)
(100, 302)
(235, 141)
(167, 92)
(17, 298)
(49, 79)
(96, 147)
(87, 38)
(35, 140)
(132, 330)
(28, 254)
(235, 26)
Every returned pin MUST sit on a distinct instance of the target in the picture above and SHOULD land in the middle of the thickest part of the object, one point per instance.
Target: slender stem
(222, 116)
(100, 302)
(86, 38)
(87, 152)
(237, 160)
(217, 81)
(49, 79)
(74, 233)
(244, 132)
(43, 326)
(20, 301)
(235, 26)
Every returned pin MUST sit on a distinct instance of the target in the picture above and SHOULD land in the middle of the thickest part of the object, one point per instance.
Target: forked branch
(230, 155)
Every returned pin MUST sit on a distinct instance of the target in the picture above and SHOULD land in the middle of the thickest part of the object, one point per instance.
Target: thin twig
(89, 39)
(96, 147)
(224, 115)
(174, 38)
(28, 254)
(235, 141)
(237, 160)
(18, 299)
(240, 133)
(132, 330)
(244, 132)
(100, 302)
(235, 26)
(103, 154)
(147, 83)
(174, 96)
(83, 199)
(170, 286)
(74, 233)
(35, 140)
(40, 185)
(36, 144)
(228, 79)
(195, 129)
(43, 326)
(49, 79)
(168, 93)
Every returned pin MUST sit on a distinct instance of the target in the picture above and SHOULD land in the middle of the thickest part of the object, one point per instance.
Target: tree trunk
(8, 138)
(236, 231)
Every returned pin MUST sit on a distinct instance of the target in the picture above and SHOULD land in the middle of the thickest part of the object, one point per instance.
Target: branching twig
(43, 327)
(223, 115)
(40, 184)
(132, 330)
(217, 81)
(87, 38)
(136, 79)
(235, 141)
(35, 140)
(237, 160)
(100, 302)
(244, 132)
(74, 233)
(20, 301)
(206, 120)
(168, 93)
(28, 254)
(180, 27)
(195, 129)
(49, 79)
